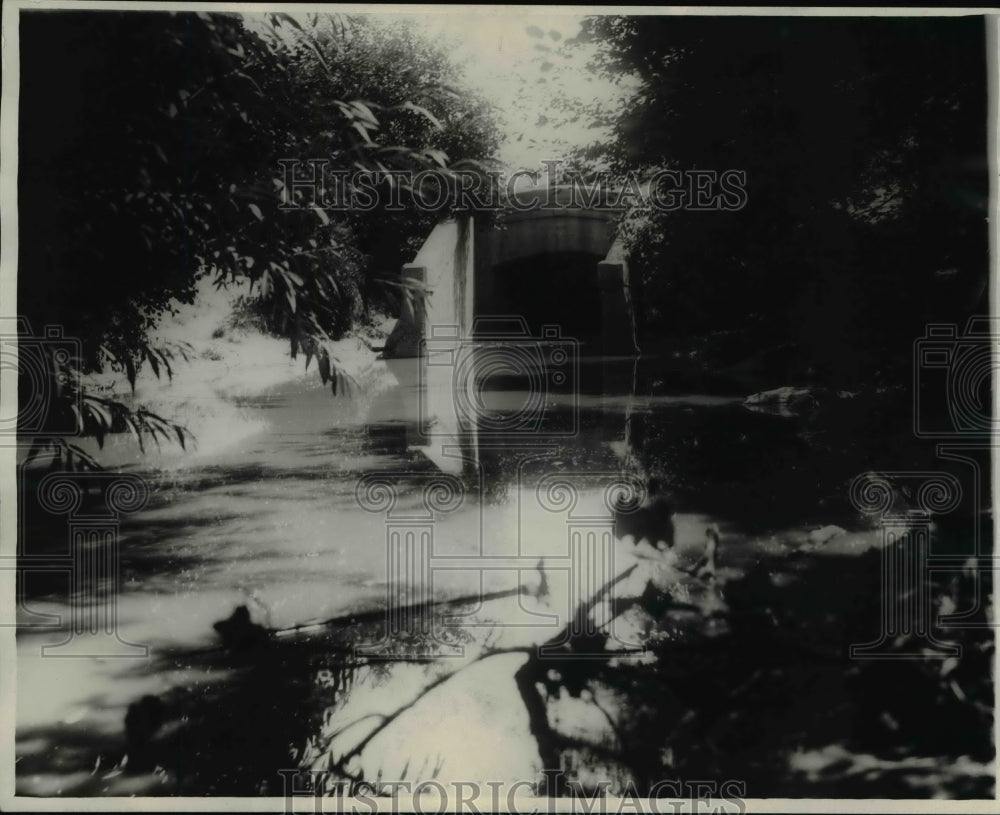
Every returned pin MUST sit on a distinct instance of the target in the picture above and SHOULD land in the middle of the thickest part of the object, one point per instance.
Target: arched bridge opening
(549, 261)
(552, 289)
(507, 311)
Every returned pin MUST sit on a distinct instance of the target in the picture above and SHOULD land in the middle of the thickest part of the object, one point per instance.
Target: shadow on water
(765, 693)
(227, 731)
(773, 700)
(238, 716)
(777, 703)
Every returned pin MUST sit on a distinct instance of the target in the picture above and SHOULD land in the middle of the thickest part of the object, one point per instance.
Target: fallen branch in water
(525, 678)
(356, 618)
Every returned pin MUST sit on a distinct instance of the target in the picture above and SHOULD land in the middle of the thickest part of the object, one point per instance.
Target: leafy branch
(527, 677)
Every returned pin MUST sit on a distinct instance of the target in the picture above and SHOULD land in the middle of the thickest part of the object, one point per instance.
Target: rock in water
(818, 537)
(239, 631)
(653, 521)
(786, 401)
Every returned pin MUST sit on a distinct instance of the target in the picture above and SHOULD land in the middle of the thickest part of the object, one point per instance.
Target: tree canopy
(863, 144)
(150, 150)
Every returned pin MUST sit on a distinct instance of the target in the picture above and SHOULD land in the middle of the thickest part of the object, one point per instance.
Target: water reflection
(526, 635)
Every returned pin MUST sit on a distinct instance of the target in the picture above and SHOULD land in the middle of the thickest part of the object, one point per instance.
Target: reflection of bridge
(556, 263)
(494, 340)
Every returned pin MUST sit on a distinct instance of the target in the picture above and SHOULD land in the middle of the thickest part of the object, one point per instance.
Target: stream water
(297, 523)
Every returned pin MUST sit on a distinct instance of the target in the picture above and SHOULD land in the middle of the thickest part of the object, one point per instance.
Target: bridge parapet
(457, 264)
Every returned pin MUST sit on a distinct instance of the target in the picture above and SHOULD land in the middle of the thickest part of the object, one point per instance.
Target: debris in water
(239, 632)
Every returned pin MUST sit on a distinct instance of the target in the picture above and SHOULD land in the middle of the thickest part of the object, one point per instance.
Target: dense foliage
(150, 150)
(864, 147)
(863, 144)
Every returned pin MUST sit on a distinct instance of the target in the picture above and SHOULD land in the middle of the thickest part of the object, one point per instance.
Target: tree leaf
(419, 109)
(130, 370)
(323, 363)
(151, 357)
(281, 15)
(364, 113)
(98, 412)
(364, 133)
(322, 215)
(79, 417)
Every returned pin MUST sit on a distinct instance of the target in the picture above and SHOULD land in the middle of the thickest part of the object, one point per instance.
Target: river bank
(230, 365)
(745, 676)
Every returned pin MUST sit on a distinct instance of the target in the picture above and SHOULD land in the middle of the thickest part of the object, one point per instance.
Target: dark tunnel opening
(554, 288)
